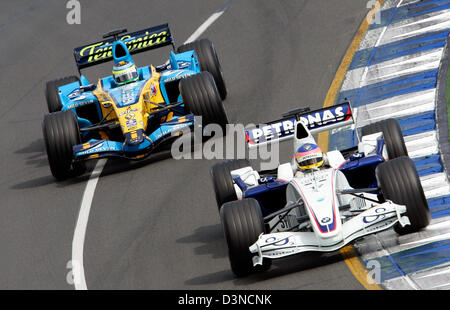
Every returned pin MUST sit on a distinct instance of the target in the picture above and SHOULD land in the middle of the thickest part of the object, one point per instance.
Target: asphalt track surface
(154, 226)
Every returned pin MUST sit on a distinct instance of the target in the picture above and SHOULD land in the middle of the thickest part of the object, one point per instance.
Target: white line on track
(81, 226)
(88, 195)
(366, 69)
(208, 22)
(446, 271)
(428, 240)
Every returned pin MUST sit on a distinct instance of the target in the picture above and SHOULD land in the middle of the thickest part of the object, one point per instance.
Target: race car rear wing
(316, 121)
(137, 42)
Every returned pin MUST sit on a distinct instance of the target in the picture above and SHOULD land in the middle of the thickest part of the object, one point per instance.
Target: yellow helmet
(309, 156)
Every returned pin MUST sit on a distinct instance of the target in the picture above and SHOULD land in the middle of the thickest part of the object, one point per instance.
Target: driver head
(309, 157)
(125, 72)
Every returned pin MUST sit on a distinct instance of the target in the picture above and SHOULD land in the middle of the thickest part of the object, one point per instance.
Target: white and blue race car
(360, 191)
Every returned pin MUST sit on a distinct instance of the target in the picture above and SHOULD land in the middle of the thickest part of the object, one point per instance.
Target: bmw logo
(325, 220)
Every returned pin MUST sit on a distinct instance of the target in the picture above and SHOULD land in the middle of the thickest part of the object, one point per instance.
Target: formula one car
(359, 191)
(135, 110)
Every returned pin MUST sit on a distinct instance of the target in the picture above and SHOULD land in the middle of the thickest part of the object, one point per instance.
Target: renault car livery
(130, 119)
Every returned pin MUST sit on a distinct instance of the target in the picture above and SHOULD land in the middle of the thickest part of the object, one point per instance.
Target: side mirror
(89, 87)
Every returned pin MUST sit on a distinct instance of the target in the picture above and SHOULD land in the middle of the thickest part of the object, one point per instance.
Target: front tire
(200, 96)
(223, 182)
(61, 133)
(392, 134)
(208, 60)
(400, 183)
(242, 223)
(52, 94)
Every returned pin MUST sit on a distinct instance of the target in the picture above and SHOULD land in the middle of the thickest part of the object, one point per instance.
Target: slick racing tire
(222, 180)
(242, 223)
(400, 183)
(61, 133)
(393, 137)
(208, 60)
(200, 97)
(52, 95)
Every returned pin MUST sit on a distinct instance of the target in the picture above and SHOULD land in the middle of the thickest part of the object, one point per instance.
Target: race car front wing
(134, 147)
(378, 218)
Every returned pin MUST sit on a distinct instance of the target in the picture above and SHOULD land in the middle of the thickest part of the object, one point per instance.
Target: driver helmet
(125, 72)
(309, 156)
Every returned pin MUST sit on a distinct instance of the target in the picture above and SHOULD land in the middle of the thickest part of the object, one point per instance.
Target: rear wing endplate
(137, 42)
(316, 121)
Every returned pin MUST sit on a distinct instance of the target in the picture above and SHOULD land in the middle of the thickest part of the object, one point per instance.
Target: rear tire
(400, 183)
(52, 95)
(393, 137)
(242, 223)
(223, 182)
(200, 96)
(208, 60)
(61, 133)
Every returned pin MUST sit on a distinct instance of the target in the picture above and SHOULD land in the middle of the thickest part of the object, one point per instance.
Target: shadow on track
(212, 238)
(38, 159)
(214, 244)
(113, 166)
(35, 152)
(280, 268)
(293, 264)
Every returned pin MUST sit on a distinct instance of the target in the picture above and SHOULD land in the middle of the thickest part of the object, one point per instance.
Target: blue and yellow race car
(135, 110)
